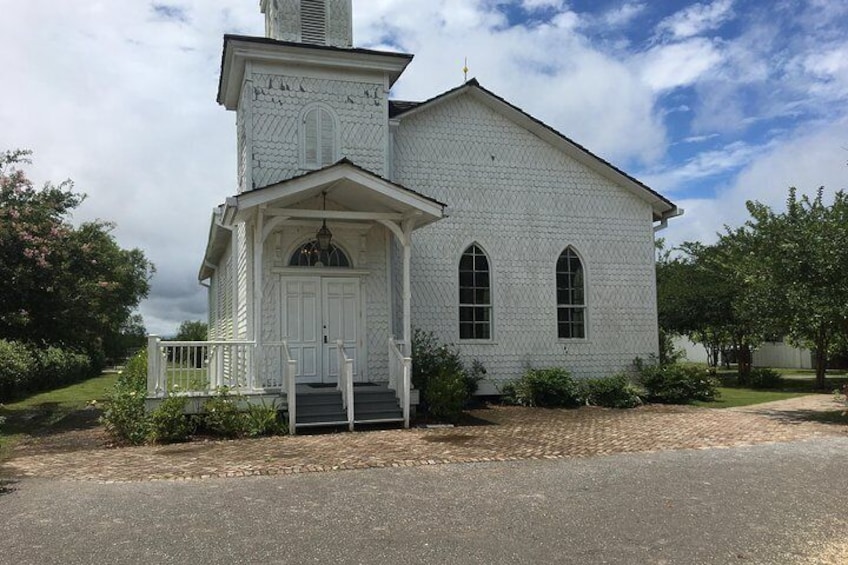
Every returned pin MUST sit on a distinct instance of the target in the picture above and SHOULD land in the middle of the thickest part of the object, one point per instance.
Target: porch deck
(266, 373)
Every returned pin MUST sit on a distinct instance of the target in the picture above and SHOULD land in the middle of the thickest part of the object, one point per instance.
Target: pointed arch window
(571, 296)
(310, 255)
(475, 295)
(318, 137)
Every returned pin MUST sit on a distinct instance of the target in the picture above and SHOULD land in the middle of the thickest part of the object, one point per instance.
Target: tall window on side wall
(318, 137)
(571, 296)
(475, 294)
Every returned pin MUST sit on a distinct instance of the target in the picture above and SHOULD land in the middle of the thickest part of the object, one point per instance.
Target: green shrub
(552, 387)
(435, 361)
(262, 420)
(125, 418)
(765, 378)
(677, 383)
(617, 391)
(17, 368)
(24, 368)
(169, 423)
(225, 417)
(58, 367)
(446, 395)
(222, 416)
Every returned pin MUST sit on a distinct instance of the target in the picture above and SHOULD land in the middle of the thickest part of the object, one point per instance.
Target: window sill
(477, 342)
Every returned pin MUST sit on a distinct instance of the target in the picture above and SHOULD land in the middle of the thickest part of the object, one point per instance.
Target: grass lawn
(53, 411)
(796, 382)
(735, 396)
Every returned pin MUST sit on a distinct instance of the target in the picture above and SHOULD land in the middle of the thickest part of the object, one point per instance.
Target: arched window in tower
(571, 296)
(318, 137)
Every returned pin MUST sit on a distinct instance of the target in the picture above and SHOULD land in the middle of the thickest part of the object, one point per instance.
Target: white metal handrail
(345, 384)
(400, 377)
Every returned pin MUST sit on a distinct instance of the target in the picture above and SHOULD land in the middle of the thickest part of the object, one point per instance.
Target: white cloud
(623, 15)
(666, 67)
(806, 160)
(697, 19)
(537, 4)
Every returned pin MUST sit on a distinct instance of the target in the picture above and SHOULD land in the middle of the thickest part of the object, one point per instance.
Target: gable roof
(342, 163)
(662, 206)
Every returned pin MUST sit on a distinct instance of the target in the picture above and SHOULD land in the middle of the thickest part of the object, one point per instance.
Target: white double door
(317, 312)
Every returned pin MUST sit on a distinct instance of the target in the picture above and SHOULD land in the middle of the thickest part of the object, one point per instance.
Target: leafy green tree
(61, 284)
(800, 268)
(703, 294)
(192, 331)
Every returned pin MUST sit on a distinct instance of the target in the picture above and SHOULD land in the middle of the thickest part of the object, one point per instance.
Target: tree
(703, 294)
(61, 284)
(801, 270)
(192, 331)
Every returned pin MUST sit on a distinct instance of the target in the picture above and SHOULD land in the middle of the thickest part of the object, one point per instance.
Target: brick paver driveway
(495, 434)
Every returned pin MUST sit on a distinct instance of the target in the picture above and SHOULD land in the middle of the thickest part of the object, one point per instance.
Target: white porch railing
(200, 367)
(291, 396)
(400, 376)
(345, 384)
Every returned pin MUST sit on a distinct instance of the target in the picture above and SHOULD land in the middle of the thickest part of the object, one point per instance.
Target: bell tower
(313, 22)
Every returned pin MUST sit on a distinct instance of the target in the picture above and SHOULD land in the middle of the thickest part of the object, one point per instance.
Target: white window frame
(322, 112)
(584, 307)
(491, 304)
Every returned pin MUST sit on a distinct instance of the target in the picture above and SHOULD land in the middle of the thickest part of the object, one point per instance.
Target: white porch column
(258, 246)
(407, 286)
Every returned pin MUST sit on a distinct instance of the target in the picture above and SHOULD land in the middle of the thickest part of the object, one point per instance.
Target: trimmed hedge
(25, 369)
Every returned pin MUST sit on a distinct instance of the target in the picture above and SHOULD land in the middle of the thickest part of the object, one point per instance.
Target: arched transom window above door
(311, 255)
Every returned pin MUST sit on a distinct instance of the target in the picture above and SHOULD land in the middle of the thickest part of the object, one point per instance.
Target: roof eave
(240, 49)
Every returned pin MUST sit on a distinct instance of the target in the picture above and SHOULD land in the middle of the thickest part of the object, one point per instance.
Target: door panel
(302, 327)
(318, 312)
(341, 301)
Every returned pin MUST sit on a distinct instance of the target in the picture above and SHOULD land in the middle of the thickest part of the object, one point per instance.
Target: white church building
(357, 218)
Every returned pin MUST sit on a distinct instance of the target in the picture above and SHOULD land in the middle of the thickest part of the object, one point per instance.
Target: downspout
(675, 213)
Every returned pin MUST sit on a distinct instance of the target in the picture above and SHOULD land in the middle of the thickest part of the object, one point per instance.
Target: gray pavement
(781, 503)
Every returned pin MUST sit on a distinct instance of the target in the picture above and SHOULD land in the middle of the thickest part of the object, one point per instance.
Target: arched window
(571, 296)
(310, 255)
(475, 295)
(318, 137)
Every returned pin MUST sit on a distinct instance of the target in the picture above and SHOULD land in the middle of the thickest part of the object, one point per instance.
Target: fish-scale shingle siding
(274, 104)
(524, 201)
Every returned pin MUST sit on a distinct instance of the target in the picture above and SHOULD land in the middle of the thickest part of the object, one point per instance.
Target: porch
(310, 301)
(201, 370)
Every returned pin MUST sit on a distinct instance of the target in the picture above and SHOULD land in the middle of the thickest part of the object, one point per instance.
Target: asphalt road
(765, 504)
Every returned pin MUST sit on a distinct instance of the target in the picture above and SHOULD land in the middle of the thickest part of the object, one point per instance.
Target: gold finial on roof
(465, 69)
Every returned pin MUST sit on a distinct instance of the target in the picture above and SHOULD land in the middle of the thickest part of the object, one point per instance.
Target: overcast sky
(711, 103)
